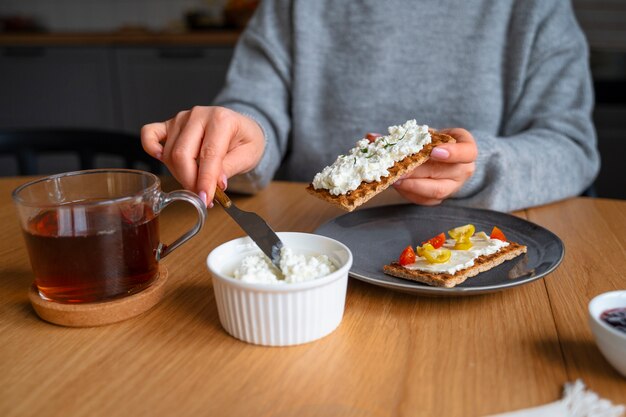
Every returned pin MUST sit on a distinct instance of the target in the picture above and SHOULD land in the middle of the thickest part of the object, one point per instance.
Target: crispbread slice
(367, 190)
(481, 264)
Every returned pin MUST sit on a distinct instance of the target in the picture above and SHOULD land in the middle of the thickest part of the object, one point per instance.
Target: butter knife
(257, 228)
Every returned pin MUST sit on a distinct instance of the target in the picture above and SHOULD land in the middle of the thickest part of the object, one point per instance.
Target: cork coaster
(100, 313)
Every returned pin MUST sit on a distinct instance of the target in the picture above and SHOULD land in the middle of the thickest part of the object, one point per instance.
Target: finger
(182, 153)
(151, 137)
(461, 135)
(442, 170)
(210, 159)
(463, 151)
(426, 189)
(174, 127)
(418, 199)
(240, 159)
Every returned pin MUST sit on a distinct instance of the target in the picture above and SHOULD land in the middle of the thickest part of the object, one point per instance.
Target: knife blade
(257, 228)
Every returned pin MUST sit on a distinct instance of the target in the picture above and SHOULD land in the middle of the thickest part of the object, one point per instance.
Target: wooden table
(394, 354)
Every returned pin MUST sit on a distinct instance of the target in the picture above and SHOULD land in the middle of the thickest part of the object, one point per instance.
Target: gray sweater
(318, 74)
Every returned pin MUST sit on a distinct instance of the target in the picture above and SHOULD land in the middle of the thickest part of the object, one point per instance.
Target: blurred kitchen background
(113, 15)
(118, 64)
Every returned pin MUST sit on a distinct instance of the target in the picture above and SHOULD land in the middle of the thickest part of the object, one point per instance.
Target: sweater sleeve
(546, 149)
(258, 86)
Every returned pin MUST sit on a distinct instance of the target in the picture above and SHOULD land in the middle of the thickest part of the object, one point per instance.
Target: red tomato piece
(407, 257)
(372, 136)
(497, 234)
(437, 241)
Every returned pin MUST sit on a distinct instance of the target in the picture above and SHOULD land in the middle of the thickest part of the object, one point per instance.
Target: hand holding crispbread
(371, 167)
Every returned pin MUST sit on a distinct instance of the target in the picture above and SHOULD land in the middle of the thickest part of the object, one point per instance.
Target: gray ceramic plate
(377, 236)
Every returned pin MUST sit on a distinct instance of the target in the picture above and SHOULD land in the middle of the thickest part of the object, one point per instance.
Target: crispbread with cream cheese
(367, 190)
(481, 264)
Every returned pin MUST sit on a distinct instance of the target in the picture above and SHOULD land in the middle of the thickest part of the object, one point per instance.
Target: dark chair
(590, 191)
(28, 145)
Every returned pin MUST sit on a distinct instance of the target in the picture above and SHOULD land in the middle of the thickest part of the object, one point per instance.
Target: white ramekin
(280, 314)
(610, 341)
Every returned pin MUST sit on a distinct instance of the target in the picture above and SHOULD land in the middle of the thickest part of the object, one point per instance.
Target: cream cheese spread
(294, 267)
(370, 161)
(460, 259)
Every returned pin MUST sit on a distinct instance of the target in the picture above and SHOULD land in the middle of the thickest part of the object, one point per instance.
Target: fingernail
(397, 182)
(159, 156)
(202, 196)
(440, 153)
(210, 205)
(224, 181)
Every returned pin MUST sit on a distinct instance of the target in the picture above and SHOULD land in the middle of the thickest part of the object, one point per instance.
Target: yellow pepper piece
(462, 232)
(462, 236)
(463, 244)
(424, 248)
(432, 255)
(437, 256)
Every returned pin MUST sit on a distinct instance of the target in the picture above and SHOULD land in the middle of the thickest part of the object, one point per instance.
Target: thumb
(463, 151)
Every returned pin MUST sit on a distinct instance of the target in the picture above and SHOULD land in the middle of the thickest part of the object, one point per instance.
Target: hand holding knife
(257, 228)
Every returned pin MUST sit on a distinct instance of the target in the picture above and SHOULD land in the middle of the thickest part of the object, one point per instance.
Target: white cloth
(577, 401)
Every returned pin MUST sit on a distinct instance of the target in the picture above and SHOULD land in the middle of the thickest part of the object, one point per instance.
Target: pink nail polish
(159, 156)
(202, 196)
(440, 153)
(224, 180)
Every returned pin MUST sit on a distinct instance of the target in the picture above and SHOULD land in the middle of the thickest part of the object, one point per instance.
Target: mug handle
(181, 195)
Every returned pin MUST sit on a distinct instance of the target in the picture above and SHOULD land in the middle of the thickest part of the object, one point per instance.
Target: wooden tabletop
(394, 354)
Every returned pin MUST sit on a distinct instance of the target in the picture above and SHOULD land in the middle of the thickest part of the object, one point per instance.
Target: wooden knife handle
(222, 198)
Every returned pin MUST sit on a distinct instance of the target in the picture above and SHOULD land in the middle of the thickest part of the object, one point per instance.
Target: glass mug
(94, 235)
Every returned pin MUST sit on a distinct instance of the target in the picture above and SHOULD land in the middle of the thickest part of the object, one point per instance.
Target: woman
(509, 78)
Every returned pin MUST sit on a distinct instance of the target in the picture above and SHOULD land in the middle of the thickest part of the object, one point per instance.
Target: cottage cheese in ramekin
(282, 314)
(370, 161)
(294, 267)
